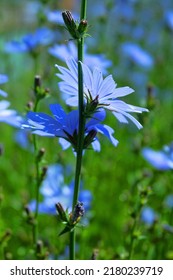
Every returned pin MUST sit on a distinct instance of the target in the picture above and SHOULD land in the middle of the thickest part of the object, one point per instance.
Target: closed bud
(82, 28)
(44, 171)
(39, 247)
(89, 138)
(78, 212)
(70, 24)
(29, 106)
(40, 154)
(61, 212)
(151, 100)
(37, 84)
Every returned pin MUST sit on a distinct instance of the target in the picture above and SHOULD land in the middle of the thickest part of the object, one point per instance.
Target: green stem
(81, 131)
(131, 247)
(35, 225)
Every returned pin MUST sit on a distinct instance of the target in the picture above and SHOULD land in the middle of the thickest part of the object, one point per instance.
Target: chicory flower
(65, 126)
(102, 92)
(70, 50)
(9, 116)
(161, 160)
(42, 36)
(136, 54)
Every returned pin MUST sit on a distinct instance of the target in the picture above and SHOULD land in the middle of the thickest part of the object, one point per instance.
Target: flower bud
(70, 24)
(40, 154)
(39, 247)
(61, 212)
(78, 212)
(151, 100)
(89, 138)
(82, 28)
(39, 91)
(37, 83)
(43, 173)
(76, 30)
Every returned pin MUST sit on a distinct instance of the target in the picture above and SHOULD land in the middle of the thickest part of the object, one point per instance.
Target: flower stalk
(81, 131)
(39, 93)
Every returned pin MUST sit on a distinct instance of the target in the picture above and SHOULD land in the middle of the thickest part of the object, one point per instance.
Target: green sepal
(66, 229)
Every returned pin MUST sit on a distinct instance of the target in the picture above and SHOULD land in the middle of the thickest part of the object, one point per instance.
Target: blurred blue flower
(3, 79)
(169, 201)
(148, 215)
(137, 55)
(42, 36)
(161, 160)
(169, 19)
(65, 126)
(98, 90)
(21, 137)
(66, 51)
(9, 116)
(54, 190)
(168, 228)
(56, 17)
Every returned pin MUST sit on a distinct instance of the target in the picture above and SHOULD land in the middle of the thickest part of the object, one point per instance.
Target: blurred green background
(119, 179)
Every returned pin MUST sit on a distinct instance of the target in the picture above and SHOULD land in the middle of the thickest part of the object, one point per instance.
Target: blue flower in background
(137, 55)
(65, 126)
(42, 36)
(3, 78)
(54, 190)
(97, 89)
(161, 160)
(169, 19)
(56, 17)
(21, 137)
(148, 216)
(66, 51)
(9, 116)
(169, 201)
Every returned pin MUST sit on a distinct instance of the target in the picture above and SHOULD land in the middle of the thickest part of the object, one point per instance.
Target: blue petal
(3, 78)
(96, 118)
(50, 125)
(58, 112)
(72, 122)
(107, 131)
(157, 159)
(148, 215)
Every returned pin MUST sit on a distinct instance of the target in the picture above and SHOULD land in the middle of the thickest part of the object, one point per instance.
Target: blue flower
(98, 90)
(148, 216)
(161, 160)
(169, 19)
(56, 17)
(138, 55)
(70, 50)
(65, 126)
(9, 116)
(21, 137)
(169, 201)
(54, 190)
(3, 79)
(42, 36)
